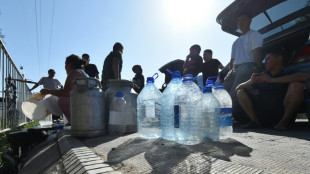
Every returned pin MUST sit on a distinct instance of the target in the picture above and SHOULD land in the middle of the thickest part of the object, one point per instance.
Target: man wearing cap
(90, 69)
(49, 83)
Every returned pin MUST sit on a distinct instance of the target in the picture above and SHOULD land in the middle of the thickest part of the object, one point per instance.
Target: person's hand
(263, 77)
(44, 91)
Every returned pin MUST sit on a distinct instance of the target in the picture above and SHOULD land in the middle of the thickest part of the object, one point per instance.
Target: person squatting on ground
(211, 66)
(279, 95)
(138, 80)
(90, 69)
(50, 83)
(73, 66)
(112, 66)
(193, 62)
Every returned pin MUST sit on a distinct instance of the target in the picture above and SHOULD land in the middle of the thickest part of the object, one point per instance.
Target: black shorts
(269, 109)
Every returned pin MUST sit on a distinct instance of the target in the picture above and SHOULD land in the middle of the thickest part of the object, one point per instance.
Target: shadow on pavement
(163, 156)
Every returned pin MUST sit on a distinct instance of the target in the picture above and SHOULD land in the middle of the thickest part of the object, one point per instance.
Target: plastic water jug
(167, 107)
(130, 96)
(148, 110)
(187, 113)
(47, 121)
(118, 115)
(211, 115)
(226, 110)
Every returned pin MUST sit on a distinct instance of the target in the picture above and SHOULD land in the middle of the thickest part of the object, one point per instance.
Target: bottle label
(150, 109)
(176, 116)
(116, 118)
(226, 117)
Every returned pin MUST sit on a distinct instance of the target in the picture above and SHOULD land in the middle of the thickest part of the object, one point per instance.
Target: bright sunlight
(184, 14)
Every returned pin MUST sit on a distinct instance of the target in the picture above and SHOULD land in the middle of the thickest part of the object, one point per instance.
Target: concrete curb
(77, 158)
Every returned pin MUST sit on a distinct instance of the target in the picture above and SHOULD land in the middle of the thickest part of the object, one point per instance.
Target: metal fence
(14, 91)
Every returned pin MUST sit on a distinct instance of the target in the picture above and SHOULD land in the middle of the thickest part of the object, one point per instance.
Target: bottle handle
(155, 76)
(169, 71)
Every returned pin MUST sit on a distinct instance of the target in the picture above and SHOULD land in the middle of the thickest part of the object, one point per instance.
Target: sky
(40, 34)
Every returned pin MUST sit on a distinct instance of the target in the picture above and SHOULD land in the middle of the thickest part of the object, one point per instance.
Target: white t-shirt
(242, 49)
(49, 83)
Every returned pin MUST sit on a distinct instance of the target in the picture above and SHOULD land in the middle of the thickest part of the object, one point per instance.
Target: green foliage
(7, 160)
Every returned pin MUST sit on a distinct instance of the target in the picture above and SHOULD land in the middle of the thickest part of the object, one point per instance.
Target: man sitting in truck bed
(279, 94)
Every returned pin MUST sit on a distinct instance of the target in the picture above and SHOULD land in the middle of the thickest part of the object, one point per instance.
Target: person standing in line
(49, 83)
(112, 66)
(90, 69)
(193, 62)
(211, 66)
(246, 58)
(138, 80)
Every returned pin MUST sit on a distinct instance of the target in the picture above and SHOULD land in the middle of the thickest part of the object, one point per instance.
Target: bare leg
(247, 105)
(293, 99)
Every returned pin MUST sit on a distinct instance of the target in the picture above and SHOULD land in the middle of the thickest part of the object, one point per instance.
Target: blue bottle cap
(209, 83)
(188, 77)
(119, 94)
(219, 86)
(150, 80)
(207, 89)
(176, 74)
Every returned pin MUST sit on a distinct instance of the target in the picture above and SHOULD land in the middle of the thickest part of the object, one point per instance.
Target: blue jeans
(239, 74)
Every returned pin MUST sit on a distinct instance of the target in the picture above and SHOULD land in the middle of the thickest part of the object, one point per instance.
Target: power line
(38, 50)
(49, 50)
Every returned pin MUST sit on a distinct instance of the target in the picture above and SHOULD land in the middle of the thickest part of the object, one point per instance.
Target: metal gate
(13, 92)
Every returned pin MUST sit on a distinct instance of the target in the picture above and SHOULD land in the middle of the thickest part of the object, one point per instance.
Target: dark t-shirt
(91, 70)
(107, 71)
(135, 79)
(197, 66)
(210, 69)
(175, 65)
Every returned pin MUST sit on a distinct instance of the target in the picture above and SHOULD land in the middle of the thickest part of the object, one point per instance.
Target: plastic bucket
(34, 107)
(51, 104)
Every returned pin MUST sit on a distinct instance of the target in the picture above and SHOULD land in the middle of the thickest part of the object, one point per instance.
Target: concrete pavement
(247, 151)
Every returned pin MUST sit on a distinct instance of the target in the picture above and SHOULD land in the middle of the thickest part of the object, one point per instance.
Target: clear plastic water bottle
(226, 110)
(118, 115)
(187, 113)
(167, 107)
(211, 115)
(148, 110)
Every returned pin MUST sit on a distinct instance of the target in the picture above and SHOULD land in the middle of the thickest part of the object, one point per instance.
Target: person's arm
(249, 83)
(40, 82)
(35, 86)
(220, 66)
(59, 84)
(116, 68)
(257, 53)
(298, 77)
(67, 88)
(231, 63)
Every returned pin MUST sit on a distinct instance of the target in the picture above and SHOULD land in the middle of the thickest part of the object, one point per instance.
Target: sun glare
(187, 13)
